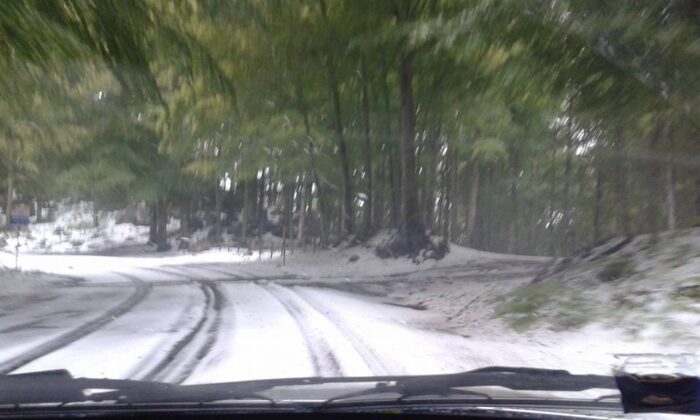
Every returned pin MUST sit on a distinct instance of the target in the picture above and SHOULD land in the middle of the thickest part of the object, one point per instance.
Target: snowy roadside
(624, 297)
(15, 284)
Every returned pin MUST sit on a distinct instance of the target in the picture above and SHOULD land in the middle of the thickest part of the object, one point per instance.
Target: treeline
(536, 127)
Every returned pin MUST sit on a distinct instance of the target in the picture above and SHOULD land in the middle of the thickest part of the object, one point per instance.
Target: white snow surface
(226, 315)
(72, 231)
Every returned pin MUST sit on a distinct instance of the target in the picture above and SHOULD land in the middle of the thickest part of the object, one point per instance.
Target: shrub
(616, 270)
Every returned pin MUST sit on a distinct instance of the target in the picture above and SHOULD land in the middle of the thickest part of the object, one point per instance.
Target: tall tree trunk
(412, 227)
(433, 150)
(262, 216)
(217, 209)
(620, 165)
(455, 195)
(553, 238)
(448, 198)
(368, 205)
(670, 197)
(395, 192)
(8, 199)
(567, 242)
(302, 207)
(348, 214)
(95, 215)
(185, 213)
(162, 224)
(394, 173)
(246, 212)
(153, 226)
(323, 214)
(697, 196)
(287, 206)
(472, 205)
(513, 225)
(39, 213)
(653, 173)
(379, 199)
(597, 205)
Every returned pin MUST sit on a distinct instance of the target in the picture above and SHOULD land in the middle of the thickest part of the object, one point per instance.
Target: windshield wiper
(60, 387)
(518, 379)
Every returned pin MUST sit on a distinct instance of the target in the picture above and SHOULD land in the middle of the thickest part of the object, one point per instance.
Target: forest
(519, 126)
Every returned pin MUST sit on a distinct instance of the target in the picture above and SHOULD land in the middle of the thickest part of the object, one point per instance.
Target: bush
(616, 270)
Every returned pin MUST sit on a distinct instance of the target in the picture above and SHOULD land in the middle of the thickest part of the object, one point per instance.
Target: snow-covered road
(212, 322)
(213, 318)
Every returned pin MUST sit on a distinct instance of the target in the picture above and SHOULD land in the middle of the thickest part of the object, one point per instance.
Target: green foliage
(555, 104)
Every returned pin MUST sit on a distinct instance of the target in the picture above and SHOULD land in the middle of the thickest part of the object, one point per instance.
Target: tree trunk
(447, 198)
(670, 197)
(287, 206)
(394, 173)
(153, 226)
(697, 195)
(95, 215)
(262, 216)
(302, 208)
(394, 191)
(472, 205)
(433, 151)
(348, 214)
(567, 243)
(323, 214)
(8, 199)
(217, 209)
(412, 229)
(368, 204)
(552, 238)
(246, 212)
(653, 189)
(513, 225)
(379, 199)
(39, 213)
(185, 213)
(455, 195)
(162, 224)
(620, 165)
(597, 205)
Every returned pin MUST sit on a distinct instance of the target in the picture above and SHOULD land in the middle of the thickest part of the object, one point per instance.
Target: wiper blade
(60, 387)
(514, 378)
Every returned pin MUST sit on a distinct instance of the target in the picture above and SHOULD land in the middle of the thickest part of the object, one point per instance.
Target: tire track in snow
(368, 355)
(235, 275)
(168, 272)
(141, 290)
(323, 358)
(182, 359)
(244, 275)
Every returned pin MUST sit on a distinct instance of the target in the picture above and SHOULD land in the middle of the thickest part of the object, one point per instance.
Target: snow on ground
(336, 262)
(119, 350)
(575, 312)
(72, 231)
(228, 314)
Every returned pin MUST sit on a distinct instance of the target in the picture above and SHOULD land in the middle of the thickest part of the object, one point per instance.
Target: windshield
(207, 191)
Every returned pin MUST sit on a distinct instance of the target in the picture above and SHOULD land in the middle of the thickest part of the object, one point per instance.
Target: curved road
(212, 323)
